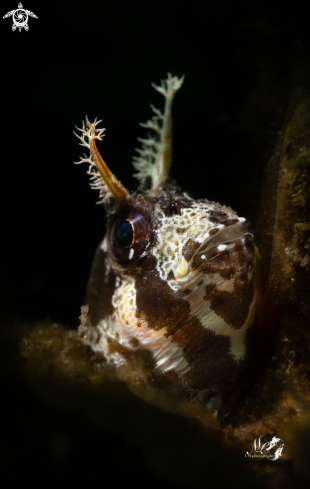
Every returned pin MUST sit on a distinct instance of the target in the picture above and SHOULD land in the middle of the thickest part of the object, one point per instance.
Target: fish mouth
(219, 239)
(226, 235)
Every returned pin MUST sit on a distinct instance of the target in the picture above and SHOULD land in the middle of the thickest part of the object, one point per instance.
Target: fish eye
(130, 232)
(124, 234)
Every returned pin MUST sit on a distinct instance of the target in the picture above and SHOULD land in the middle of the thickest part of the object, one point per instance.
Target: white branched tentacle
(96, 181)
(154, 158)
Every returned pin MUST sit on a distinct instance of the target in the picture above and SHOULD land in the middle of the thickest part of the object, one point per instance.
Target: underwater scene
(155, 295)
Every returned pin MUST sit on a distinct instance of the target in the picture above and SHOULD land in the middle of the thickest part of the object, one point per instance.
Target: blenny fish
(171, 292)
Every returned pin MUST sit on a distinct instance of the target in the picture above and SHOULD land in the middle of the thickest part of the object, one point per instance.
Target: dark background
(239, 59)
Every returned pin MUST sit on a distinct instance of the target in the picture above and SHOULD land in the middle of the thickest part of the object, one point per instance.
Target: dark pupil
(124, 234)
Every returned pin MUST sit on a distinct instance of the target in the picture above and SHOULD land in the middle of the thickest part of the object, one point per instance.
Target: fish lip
(225, 235)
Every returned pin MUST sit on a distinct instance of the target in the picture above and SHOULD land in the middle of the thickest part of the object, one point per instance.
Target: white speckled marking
(122, 327)
(174, 233)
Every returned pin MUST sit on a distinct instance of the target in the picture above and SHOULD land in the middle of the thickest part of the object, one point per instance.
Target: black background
(99, 58)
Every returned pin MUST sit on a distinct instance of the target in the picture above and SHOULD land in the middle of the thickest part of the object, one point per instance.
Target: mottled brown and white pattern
(172, 281)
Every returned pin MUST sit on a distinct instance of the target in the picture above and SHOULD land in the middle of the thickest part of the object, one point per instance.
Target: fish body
(172, 283)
